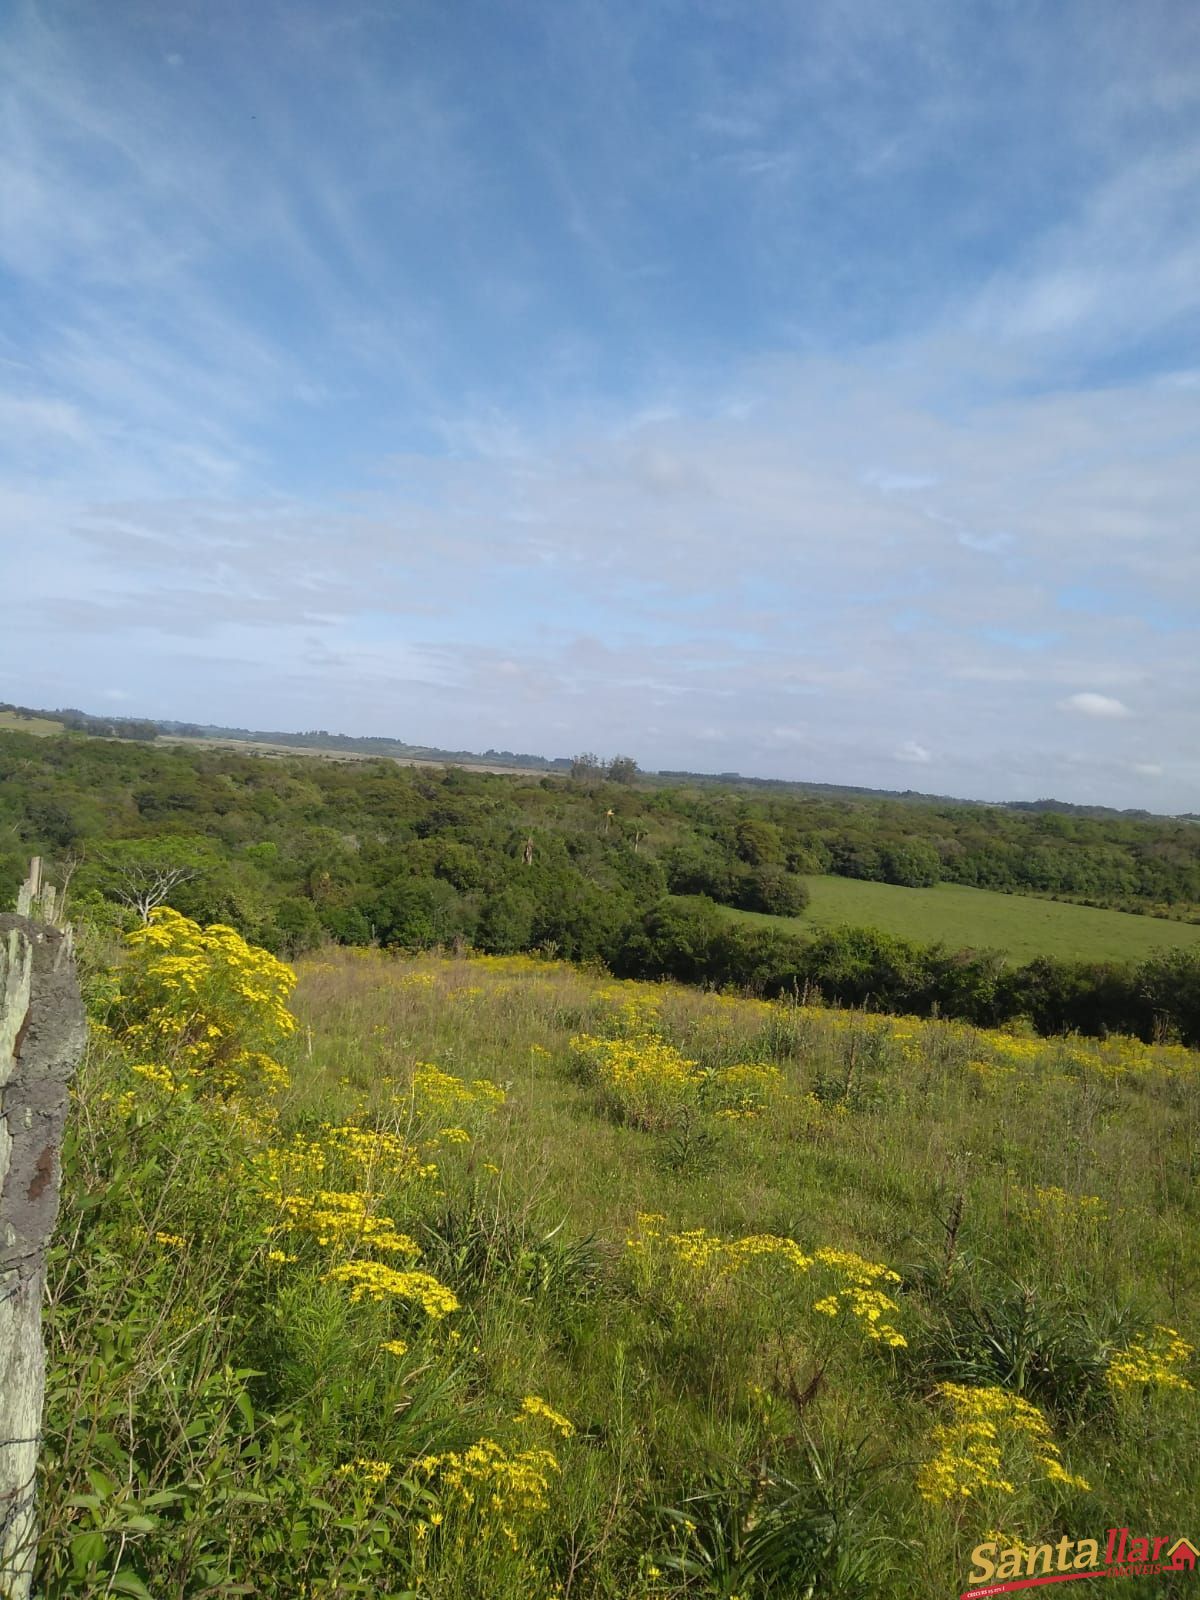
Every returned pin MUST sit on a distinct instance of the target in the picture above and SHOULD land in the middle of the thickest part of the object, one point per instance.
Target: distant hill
(365, 745)
(147, 729)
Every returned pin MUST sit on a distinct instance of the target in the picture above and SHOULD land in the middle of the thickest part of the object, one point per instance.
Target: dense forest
(296, 851)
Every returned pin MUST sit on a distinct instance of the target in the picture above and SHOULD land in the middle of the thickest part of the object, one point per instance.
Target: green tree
(145, 873)
(913, 863)
(674, 939)
(299, 925)
(771, 889)
(505, 922)
(759, 843)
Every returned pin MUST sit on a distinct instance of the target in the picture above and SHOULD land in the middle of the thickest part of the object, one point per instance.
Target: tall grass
(224, 1417)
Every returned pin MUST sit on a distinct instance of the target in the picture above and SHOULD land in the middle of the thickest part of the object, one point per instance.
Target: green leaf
(84, 1502)
(137, 1523)
(129, 1583)
(85, 1549)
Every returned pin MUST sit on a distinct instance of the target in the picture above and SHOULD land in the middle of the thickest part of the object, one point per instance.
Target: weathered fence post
(42, 1033)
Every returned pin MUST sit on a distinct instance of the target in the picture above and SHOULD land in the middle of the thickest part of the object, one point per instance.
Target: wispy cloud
(1089, 704)
(913, 752)
(605, 376)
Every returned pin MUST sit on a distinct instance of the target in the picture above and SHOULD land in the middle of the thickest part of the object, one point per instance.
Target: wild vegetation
(589, 869)
(295, 852)
(498, 1277)
(738, 846)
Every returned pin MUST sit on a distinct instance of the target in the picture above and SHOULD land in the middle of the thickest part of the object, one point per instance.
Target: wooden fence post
(42, 1034)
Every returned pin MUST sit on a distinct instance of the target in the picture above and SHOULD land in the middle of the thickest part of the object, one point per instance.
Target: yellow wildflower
(971, 1450)
(1152, 1363)
(533, 1407)
(371, 1280)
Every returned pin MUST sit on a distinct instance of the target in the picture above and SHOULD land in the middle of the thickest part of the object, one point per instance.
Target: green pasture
(1023, 926)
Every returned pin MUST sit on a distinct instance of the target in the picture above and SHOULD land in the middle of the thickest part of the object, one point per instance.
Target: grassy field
(331, 753)
(10, 722)
(536, 1284)
(965, 918)
(44, 727)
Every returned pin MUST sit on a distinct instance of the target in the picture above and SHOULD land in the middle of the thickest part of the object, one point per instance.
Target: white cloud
(397, 500)
(1095, 705)
(1123, 264)
(550, 584)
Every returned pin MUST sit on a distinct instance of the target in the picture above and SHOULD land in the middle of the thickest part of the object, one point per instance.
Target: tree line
(593, 867)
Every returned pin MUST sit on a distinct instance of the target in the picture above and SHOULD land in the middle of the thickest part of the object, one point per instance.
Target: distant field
(10, 722)
(1021, 925)
(255, 747)
(42, 726)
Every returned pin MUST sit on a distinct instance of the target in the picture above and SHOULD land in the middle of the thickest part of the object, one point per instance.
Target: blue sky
(806, 389)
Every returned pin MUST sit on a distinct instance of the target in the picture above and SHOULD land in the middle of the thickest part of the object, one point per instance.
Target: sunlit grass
(1023, 926)
(754, 1325)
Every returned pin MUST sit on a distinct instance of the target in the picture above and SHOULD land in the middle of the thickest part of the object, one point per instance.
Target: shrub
(201, 1005)
(1036, 1346)
(771, 889)
(991, 1438)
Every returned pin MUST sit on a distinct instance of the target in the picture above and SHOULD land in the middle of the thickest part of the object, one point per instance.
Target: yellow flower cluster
(995, 1054)
(705, 1255)
(374, 1154)
(372, 1280)
(517, 965)
(1152, 1363)
(868, 1305)
(533, 1408)
(1010, 1048)
(1121, 1056)
(643, 1079)
(202, 1004)
(161, 1077)
(630, 1009)
(344, 1219)
(646, 1081)
(973, 1452)
(500, 1490)
(436, 1091)
(366, 1470)
(744, 1090)
(1059, 1208)
(988, 1075)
